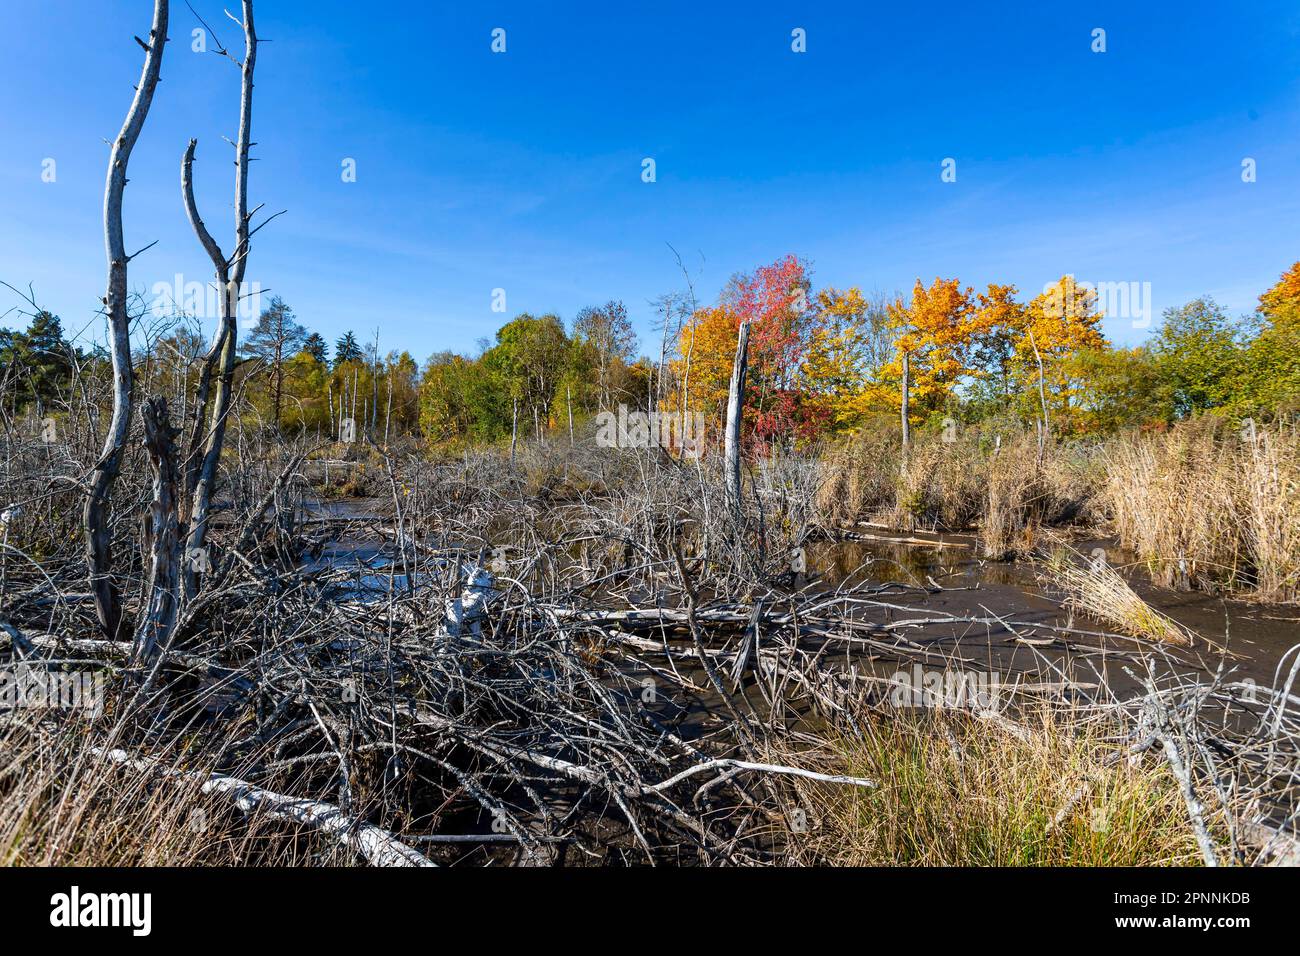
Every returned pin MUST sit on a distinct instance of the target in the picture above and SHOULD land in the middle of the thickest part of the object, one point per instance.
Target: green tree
(462, 400)
(39, 359)
(347, 350)
(607, 332)
(1199, 354)
(529, 359)
(276, 338)
(317, 348)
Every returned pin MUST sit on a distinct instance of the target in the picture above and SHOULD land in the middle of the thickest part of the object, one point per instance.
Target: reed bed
(1211, 505)
(958, 790)
(995, 483)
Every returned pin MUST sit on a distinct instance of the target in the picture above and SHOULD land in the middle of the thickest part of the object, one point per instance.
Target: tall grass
(989, 481)
(1099, 591)
(953, 790)
(63, 803)
(1208, 505)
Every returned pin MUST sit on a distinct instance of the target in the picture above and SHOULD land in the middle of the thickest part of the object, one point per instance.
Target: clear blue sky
(523, 170)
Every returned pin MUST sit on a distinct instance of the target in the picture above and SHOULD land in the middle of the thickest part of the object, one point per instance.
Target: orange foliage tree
(935, 331)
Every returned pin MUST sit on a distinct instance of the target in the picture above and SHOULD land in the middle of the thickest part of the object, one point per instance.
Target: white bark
(230, 275)
(735, 415)
(96, 517)
(375, 844)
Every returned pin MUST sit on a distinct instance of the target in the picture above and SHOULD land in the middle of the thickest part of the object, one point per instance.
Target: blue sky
(522, 170)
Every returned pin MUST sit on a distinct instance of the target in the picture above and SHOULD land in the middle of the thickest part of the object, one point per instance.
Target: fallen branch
(376, 845)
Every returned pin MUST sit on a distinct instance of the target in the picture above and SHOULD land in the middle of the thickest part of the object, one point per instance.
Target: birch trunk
(108, 604)
(735, 414)
(514, 430)
(907, 401)
(210, 428)
(1042, 402)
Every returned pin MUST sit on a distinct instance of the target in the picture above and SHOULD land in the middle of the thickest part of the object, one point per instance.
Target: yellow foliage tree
(935, 332)
(1059, 324)
(999, 322)
(1286, 293)
(836, 370)
(708, 349)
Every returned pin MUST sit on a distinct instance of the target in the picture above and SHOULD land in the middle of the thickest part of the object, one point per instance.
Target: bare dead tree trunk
(1042, 402)
(514, 430)
(277, 373)
(388, 413)
(568, 392)
(907, 399)
(330, 395)
(162, 562)
(210, 425)
(108, 605)
(374, 387)
(735, 414)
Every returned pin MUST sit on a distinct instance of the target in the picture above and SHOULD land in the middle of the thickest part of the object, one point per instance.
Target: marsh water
(989, 614)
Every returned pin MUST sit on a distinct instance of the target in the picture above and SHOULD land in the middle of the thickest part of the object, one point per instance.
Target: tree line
(821, 362)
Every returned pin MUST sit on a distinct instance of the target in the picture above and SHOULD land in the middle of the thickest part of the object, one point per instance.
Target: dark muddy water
(1256, 635)
(958, 585)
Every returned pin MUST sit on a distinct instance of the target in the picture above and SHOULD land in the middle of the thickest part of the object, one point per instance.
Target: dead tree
(735, 414)
(162, 589)
(212, 405)
(96, 518)
(906, 403)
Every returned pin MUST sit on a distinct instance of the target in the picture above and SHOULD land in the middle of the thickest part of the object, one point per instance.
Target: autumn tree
(708, 349)
(932, 348)
(1282, 296)
(775, 302)
(1270, 378)
(1059, 323)
(998, 324)
(848, 347)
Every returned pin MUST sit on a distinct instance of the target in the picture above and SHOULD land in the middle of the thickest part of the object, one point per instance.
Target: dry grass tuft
(64, 804)
(1096, 589)
(990, 481)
